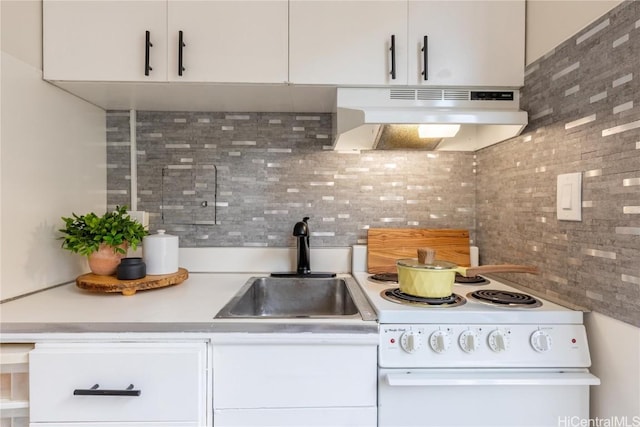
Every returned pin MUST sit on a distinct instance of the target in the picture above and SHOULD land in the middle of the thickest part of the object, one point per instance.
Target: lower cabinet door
(123, 383)
(296, 417)
(121, 424)
(291, 375)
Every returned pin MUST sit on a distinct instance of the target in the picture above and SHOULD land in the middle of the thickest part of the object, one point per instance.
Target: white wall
(615, 357)
(549, 23)
(53, 159)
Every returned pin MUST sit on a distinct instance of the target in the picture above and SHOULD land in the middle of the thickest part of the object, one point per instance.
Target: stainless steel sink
(296, 297)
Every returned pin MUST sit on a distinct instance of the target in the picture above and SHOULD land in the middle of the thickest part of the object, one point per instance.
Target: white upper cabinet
(306, 42)
(469, 43)
(223, 41)
(228, 41)
(105, 40)
(347, 42)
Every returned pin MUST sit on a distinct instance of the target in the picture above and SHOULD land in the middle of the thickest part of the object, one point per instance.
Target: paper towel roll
(474, 255)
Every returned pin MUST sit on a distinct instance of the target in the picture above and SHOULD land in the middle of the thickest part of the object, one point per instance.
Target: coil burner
(501, 298)
(384, 278)
(475, 280)
(395, 295)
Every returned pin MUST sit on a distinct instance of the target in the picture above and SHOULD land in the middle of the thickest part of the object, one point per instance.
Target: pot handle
(498, 268)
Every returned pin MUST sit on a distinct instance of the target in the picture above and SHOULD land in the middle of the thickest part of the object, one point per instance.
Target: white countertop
(187, 307)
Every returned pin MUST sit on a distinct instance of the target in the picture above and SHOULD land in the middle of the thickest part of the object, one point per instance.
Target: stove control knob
(541, 341)
(411, 341)
(439, 341)
(469, 341)
(498, 341)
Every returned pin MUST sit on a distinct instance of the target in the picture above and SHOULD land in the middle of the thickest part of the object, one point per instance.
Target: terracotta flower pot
(104, 261)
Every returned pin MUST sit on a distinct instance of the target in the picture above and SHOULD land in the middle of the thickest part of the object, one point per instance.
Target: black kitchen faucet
(301, 233)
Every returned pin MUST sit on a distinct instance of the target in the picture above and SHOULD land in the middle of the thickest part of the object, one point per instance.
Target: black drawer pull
(147, 46)
(425, 57)
(96, 391)
(393, 57)
(180, 46)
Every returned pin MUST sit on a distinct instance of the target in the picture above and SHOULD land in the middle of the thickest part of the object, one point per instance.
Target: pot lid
(436, 265)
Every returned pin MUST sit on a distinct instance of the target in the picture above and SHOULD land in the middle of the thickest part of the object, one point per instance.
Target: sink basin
(295, 297)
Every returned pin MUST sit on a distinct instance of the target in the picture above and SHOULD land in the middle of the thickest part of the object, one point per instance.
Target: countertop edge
(25, 329)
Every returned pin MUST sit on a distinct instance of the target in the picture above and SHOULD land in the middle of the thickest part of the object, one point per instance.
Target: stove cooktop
(473, 311)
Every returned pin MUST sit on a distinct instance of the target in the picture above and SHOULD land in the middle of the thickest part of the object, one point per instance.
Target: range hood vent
(486, 116)
(406, 94)
(456, 95)
(449, 95)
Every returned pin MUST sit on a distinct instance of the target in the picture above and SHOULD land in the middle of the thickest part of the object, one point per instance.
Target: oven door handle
(492, 378)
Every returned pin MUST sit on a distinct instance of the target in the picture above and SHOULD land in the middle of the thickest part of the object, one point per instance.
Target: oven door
(483, 397)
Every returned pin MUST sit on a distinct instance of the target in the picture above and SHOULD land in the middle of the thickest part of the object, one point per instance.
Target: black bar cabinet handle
(425, 57)
(180, 46)
(393, 57)
(147, 46)
(96, 391)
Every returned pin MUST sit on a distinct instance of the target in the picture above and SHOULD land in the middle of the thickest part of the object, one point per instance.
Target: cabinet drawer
(170, 379)
(296, 417)
(294, 376)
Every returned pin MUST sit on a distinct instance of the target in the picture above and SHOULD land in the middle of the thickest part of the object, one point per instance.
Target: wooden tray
(94, 283)
(386, 245)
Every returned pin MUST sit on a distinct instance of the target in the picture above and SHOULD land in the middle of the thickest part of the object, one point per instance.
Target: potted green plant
(103, 239)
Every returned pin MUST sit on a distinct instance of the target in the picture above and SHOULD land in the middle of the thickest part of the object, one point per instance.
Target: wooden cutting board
(386, 245)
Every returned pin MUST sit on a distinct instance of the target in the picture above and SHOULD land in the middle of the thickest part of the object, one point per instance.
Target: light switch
(565, 197)
(569, 197)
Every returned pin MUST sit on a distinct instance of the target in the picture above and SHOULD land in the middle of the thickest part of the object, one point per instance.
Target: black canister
(131, 269)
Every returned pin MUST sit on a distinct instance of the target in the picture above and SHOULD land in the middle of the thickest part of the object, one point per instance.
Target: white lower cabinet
(124, 384)
(14, 384)
(294, 381)
(296, 417)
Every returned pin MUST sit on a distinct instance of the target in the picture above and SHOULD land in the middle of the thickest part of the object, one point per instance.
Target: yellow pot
(427, 280)
(436, 280)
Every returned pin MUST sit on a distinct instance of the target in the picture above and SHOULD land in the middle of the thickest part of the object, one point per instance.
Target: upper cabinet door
(347, 42)
(228, 41)
(469, 43)
(105, 40)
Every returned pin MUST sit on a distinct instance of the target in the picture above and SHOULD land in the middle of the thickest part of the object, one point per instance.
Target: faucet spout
(301, 231)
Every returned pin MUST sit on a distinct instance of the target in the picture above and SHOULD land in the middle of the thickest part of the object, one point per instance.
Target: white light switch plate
(569, 197)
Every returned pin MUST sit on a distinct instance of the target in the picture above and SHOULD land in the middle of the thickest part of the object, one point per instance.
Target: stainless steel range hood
(486, 116)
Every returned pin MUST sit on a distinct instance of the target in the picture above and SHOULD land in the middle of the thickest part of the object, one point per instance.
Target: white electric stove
(471, 362)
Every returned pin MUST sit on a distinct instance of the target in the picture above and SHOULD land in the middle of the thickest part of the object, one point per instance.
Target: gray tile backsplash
(271, 170)
(265, 171)
(583, 101)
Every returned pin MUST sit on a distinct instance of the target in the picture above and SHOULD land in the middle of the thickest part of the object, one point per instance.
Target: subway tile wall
(259, 173)
(583, 100)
